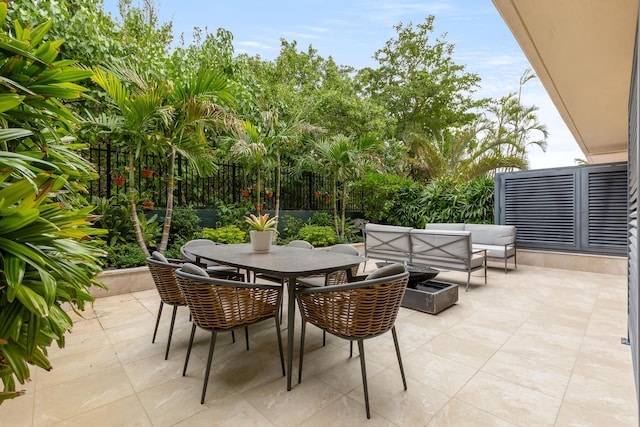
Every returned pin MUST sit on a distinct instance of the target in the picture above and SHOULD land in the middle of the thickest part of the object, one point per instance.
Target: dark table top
(280, 260)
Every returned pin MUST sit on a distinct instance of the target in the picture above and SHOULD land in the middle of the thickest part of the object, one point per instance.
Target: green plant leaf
(13, 133)
(9, 101)
(14, 269)
(32, 301)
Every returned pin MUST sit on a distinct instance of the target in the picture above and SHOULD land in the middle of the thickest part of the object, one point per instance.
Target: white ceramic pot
(261, 240)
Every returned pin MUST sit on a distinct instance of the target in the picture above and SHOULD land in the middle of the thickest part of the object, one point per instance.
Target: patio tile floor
(536, 346)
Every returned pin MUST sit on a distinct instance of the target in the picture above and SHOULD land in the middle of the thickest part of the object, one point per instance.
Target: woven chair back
(164, 277)
(354, 312)
(337, 278)
(218, 304)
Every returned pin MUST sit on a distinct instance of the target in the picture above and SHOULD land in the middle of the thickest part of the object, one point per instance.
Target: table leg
(291, 315)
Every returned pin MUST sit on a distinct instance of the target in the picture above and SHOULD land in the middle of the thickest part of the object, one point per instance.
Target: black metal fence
(230, 183)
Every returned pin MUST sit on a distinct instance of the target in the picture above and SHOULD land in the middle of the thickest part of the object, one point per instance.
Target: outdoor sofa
(498, 240)
(446, 249)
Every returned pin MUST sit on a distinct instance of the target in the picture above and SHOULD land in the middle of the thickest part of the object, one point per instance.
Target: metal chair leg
(395, 342)
(350, 349)
(364, 377)
(186, 359)
(279, 333)
(233, 336)
(155, 331)
(303, 328)
(246, 335)
(485, 270)
(173, 320)
(206, 374)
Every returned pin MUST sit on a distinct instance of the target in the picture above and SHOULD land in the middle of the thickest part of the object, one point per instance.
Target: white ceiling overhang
(582, 52)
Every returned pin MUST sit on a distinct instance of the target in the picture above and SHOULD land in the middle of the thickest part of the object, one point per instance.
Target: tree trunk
(258, 191)
(169, 212)
(134, 209)
(335, 206)
(277, 191)
(343, 210)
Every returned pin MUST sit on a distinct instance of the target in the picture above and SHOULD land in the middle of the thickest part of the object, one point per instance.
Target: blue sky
(352, 30)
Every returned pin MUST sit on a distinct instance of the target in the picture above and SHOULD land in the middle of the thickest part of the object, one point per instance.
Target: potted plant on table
(262, 231)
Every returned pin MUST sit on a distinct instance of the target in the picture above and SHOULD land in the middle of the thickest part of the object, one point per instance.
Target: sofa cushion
(492, 234)
(459, 226)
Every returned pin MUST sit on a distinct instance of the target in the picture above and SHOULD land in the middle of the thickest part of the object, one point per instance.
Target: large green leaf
(14, 219)
(15, 359)
(13, 133)
(63, 75)
(14, 269)
(9, 101)
(40, 31)
(59, 90)
(32, 301)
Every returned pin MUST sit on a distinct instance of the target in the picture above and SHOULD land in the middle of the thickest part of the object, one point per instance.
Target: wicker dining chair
(163, 272)
(356, 312)
(336, 277)
(220, 305)
(213, 268)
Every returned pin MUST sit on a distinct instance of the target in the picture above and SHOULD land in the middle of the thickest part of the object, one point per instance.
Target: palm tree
(344, 159)
(167, 120)
(248, 147)
(280, 136)
(134, 122)
(461, 155)
(196, 105)
(517, 123)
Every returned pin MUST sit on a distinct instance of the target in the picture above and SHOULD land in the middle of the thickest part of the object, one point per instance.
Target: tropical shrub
(385, 194)
(399, 201)
(445, 201)
(114, 215)
(233, 214)
(292, 226)
(318, 235)
(227, 234)
(48, 254)
(125, 256)
(185, 224)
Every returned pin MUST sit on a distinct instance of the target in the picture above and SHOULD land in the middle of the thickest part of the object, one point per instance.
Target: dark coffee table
(417, 273)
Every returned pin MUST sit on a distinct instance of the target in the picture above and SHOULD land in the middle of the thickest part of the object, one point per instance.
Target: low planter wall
(124, 281)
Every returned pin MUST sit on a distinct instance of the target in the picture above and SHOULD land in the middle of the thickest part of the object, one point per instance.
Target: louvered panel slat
(541, 208)
(607, 209)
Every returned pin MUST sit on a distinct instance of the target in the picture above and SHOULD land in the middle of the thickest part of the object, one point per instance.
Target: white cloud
(317, 29)
(390, 13)
(296, 35)
(250, 47)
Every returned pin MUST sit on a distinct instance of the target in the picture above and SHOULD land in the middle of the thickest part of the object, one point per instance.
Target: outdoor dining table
(281, 261)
